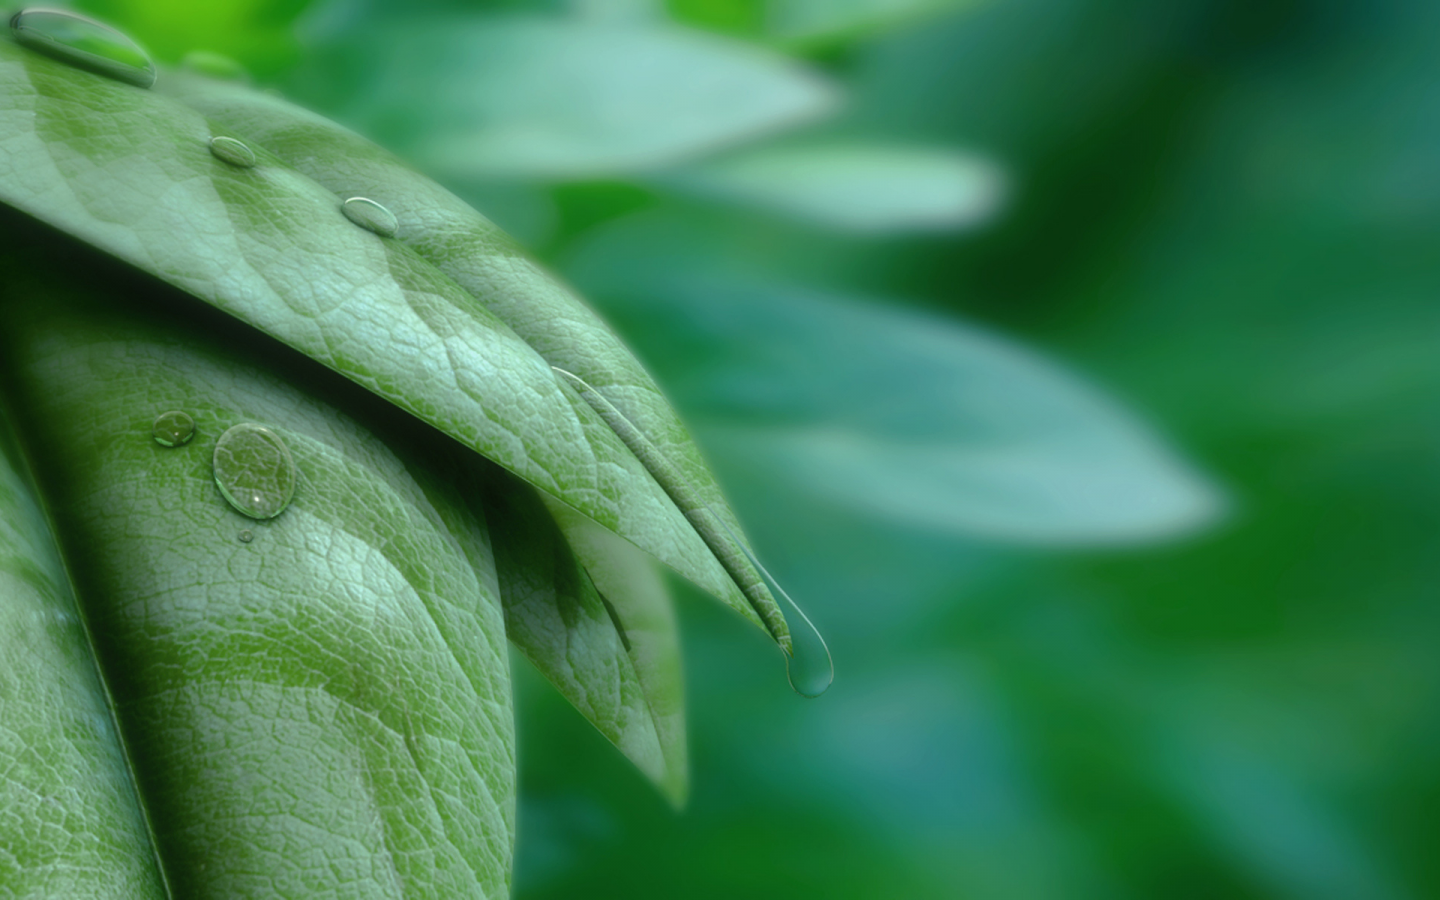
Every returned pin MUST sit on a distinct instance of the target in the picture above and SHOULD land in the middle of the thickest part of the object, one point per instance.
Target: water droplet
(84, 43)
(370, 215)
(214, 65)
(255, 471)
(809, 666)
(173, 428)
(246, 537)
(229, 150)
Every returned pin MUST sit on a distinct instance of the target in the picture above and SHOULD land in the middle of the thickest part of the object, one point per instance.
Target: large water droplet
(255, 471)
(370, 215)
(229, 150)
(173, 428)
(809, 665)
(85, 43)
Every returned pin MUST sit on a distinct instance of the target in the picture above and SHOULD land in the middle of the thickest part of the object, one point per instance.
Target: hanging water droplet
(255, 471)
(229, 150)
(246, 537)
(808, 665)
(84, 43)
(173, 428)
(370, 215)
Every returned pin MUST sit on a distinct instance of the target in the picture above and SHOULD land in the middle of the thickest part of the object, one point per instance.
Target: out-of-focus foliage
(1224, 212)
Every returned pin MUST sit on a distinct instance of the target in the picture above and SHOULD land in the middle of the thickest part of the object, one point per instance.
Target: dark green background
(1227, 214)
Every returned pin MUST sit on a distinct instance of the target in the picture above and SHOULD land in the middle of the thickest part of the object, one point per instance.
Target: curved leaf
(552, 98)
(71, 821)
(893, 412)
(318, 698)
(269, 246)
(467, 248)
(613, 652)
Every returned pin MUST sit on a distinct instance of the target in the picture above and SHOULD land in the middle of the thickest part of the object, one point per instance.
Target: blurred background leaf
(854, 187)
(551, 98)
(1222, 214)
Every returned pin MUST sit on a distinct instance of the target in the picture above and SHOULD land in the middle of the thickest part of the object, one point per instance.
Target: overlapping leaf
(269, 246)
(596, 620)
(72, 823)
(467, 248)
(318, 698)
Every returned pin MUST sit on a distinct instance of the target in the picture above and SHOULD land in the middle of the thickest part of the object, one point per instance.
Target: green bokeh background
(1225, 215)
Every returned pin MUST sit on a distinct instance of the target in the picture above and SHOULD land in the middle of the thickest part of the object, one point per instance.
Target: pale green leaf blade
(270, 246)
(552, 98)
(469, 249)
(913, 417)
(856, 188)
(636, 594)
(613, 655)
(70, 820)
(318, 698)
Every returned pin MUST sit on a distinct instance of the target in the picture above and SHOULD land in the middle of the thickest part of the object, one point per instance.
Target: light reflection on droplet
(232, 151)
(371, 216)
(255, 471)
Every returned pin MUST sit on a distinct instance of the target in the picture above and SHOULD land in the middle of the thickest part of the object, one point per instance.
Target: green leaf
(640, 603)
(557, 99)
(71, 820)
(889, 412)
(854, 187)
(315, 699)
(807, 23)
(269, 245)
(617, 660)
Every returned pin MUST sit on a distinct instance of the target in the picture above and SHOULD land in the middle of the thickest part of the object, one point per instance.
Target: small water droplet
(214, 65)
(370, 215)
(255, 471)
(173, 428)
(246, 537)
(84, 43)
(229, 150)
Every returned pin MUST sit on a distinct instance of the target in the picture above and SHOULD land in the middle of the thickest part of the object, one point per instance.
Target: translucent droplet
(246, 537)
(370, 215)
(229, 150)
(255, 471)
(173, 428)
(84, 43)
(809, 665)
(215, 65)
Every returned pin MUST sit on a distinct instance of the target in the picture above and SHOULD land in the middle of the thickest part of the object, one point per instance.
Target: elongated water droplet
(229, 150)
(809, 665)
(255, 471)
(173, 428)
(84, 43)
(370, 215)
